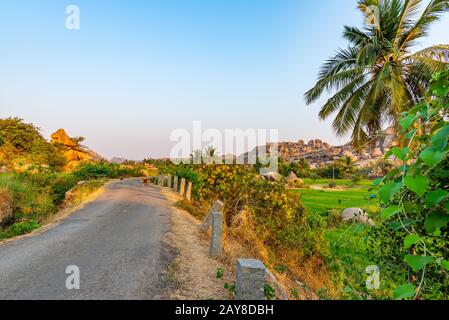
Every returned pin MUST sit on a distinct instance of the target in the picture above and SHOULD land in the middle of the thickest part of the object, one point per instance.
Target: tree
(379, 76)
(24, 140)
(346, 165)
(79, 141)
(301, 168)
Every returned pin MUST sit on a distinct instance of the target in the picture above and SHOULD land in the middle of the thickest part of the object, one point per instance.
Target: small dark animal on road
(144, 181)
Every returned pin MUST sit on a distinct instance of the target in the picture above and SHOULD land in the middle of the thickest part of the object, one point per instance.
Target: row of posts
(251, 273)
(181, 186)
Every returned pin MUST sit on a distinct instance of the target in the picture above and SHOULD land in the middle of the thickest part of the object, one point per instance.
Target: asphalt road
(115, 241)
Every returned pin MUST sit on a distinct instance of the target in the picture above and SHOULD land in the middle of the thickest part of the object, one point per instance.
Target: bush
(91, 171)
(104, 170)
(28, 198)
(329, 172)
(19, 229)
(24, 141)
(24, 227)
(61, 185)
(412, 244)
(279, 223)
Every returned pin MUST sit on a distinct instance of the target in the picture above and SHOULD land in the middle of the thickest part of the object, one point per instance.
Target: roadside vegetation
(265, 216)
(300, 232)
(33, 185)
(348, 254)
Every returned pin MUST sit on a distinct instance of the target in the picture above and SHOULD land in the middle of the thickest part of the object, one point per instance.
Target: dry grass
(192, 276)
(5, 204)
(305, 278)
(302, 279)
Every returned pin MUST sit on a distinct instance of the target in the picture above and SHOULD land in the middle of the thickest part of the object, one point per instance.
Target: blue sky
(136, 70)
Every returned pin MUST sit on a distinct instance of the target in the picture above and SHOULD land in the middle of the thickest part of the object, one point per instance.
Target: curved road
(115, 241)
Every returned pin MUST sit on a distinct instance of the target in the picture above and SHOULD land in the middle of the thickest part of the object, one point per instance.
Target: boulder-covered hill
(73, 152)
(22, 147)
(318, 153)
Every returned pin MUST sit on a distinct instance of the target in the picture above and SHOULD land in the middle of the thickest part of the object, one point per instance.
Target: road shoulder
(192, 274)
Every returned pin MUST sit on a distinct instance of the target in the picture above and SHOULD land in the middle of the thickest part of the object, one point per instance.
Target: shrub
(24, 140)
(24, 227)
(279, 223)
(329, 172)
(19, 229)
(61, 185)
(102, 170)
(301, 168)
(356, 178)
(28, 198)
(412, 244)
(90, 171)
(5, 205)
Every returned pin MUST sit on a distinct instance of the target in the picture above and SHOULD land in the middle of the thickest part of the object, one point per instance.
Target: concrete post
(217, 233)
(161, 180)
(169, 180)
(217, 207)
(182, 189)
(175, 183)
(189, 191)
(250, 279)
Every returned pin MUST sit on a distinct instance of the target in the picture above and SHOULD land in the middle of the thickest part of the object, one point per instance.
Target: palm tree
(379, 76)
(210, 155)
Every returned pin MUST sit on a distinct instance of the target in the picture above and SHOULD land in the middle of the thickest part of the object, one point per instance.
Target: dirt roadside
(193, 273)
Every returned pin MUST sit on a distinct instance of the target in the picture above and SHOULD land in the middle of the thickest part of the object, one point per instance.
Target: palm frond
(431, 14)
(344, 94)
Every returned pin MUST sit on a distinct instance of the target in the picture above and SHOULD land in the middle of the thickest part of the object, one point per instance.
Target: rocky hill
(72, 151)
(23, 148)
(319, 153)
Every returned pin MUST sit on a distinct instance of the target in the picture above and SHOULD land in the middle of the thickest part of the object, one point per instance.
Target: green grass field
(320, 201)
(348, 257)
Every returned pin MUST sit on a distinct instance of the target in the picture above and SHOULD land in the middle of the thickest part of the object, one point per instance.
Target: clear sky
(136, 70)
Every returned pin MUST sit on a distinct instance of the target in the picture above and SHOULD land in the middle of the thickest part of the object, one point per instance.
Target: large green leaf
(407, 121)
(418, 184)
(432, 156)
(388, 191)
(435, 222)
(436, 197)
(411, 240)
(405, 291)
(387, 213)
(418, 263)
(445, 264)
(398, 225)
(440, 139)
(410, 134)
(401, 154)
(377, 182)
